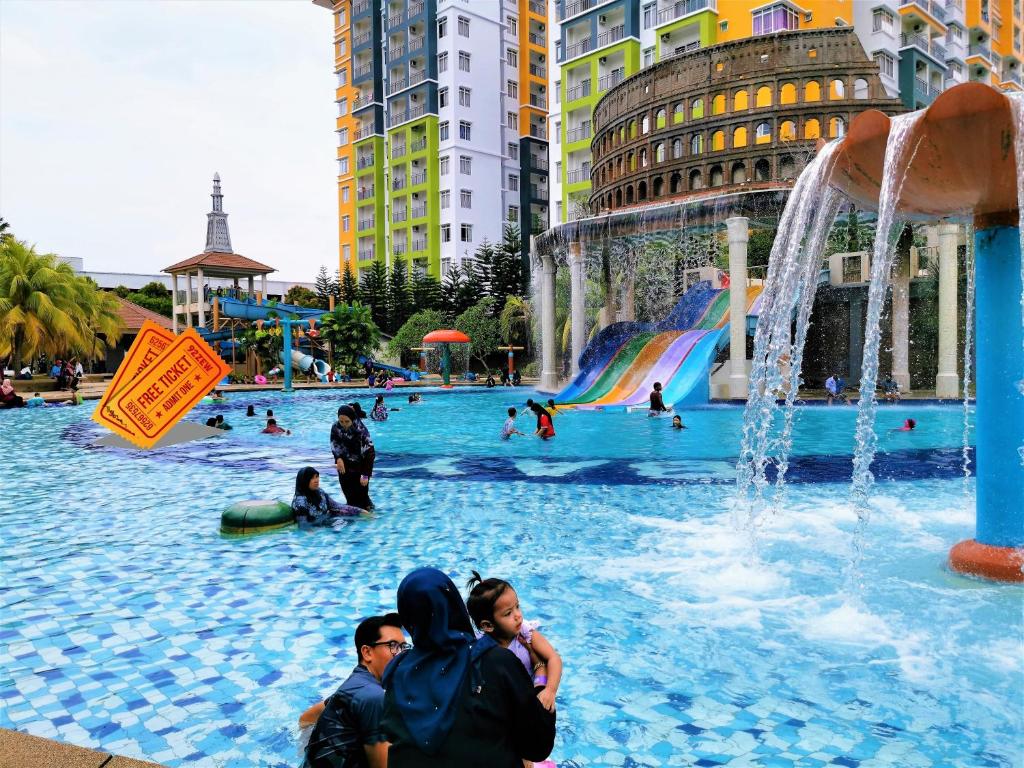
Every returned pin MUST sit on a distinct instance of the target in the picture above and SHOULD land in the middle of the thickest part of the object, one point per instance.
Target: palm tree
(516, 320)
(351, 332)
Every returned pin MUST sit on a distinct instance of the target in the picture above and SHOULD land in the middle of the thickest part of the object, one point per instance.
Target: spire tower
(217, 236)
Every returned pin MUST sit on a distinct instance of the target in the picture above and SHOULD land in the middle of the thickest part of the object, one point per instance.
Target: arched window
(632, 129)
(812, 91)
(836, 128)
(622, 133)
(675, 183)
(645, 124)
(740, 101)
(659, 152)
(678, 113)
(696, 182)
(718, 104)
(641, 191)
(836, 90)
(717, 177)
(618, 167)
(787, 167)
(609, 205)
(602, 176)
(739, 173)
(643, 157)
(618, 198)
(860, 89)
(631, 161)
(629, 195)
(762, 170)
(739, 137)
(763, 134)
(697, 144)
(717, 141)
(659, 118)
(658, 187)
(677, 149)
(788, 94)
(696, 109)
(812, 129)
(787, 131)
(764, 96)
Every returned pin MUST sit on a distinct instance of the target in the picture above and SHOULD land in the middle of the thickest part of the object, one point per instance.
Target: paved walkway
(19, 750)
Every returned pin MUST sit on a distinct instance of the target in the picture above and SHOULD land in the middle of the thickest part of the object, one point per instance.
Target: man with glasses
(348, 733)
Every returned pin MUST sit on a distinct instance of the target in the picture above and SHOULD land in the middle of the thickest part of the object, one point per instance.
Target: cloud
(115, 115)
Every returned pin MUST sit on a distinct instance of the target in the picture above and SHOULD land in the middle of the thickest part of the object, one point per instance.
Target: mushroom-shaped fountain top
(963, 161)
(449, 336)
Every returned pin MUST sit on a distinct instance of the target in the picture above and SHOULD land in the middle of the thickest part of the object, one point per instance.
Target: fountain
(963, 164)
(443, 340)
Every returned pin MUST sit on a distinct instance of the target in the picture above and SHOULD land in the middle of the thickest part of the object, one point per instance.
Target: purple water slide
(665, 367)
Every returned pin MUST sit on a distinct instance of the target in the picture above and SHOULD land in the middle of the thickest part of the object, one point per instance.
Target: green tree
(478, 322)
(515, 321)
(336, 286)
(154, 296)
(453, 293)
(508, 278)
(759, 247)
(413, 330)
(400, 305)
(348, 287)
(266, 343)
(426, 290)
(351, 332)
(5, 229)
(301, 296)
(322, 287)
(373, 292)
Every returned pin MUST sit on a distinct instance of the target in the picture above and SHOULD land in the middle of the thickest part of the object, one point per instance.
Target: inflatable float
(260, 378)
(256, 516)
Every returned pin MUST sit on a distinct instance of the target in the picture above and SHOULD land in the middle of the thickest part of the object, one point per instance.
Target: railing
(419, 244)
(930, 6)
(538, 101)
(538, 39)
(397, 52)
(399, 248)
(954, 5)
(538, 193)
(610, 36)
(540, 163)
(576, 7)
(415, 9)
(419, 145)
(415, 43)
(538, 132)
(395, 20)
(684, 7)
(418, 178)
(578, 134)
(578, 176)
(397, 85)
(1012, 76)
(398, 183)
(397, 150)
(537, 8)
(580, 91)
(362, 102)
(360, 7)
(928, 46)
(578, 49)
(417, 77)
(366, 255)
(980, 49)
(418, 212)
(611, 79)
(409, 114)
(364, 194)
(361, 39)
(538, 71)
(369, 223)
(362, 71)
(397, 217)
(364, 162)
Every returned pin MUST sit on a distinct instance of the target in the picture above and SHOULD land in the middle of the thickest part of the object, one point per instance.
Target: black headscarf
(428, 679)
(302, 484)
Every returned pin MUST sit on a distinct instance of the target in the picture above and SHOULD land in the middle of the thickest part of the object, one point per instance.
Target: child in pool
(494, 607)
(509, 428)
(677, 422)
(908, 426)
(379, 412)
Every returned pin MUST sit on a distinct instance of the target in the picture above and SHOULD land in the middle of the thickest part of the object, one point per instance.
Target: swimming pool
(128, 622)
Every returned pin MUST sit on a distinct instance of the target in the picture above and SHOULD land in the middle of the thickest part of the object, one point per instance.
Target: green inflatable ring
(256, 516)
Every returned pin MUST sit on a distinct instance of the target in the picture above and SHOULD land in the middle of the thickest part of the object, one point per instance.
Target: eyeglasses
(393, 645)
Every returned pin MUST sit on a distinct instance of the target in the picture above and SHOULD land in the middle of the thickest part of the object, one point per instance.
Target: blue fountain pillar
(446, 364)
(1000, 402)
(286, 332)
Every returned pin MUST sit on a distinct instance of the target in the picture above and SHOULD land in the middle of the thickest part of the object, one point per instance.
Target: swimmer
(417, 398)
(271, 429)
(211, 422)
(250, 411)
(312, 506)
(551, 408)
(657, 401)
(221, 424)
(379, 411)
(908, 426)
(35, 401)
(509, 428)
(545, 429)
(677, 422)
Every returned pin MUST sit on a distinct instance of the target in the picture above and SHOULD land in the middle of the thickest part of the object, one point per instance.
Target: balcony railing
(360, 39)
(580, 91)
(419, 211)
(419, 244)
(417, 77)
(418, 178)
(930, 47)
(364, 194)
(397, 217)
(538, 71)
(980, 49)
(931, 7)
(367, 255)
(540, 163)
(363, 101)
(538, 193)
(397, 150)
(576, 7)
(397, 52)
(684, 7)
(925, 91)
(954, 5)
(612, 35)
(365, 161)
(578, 134)
(578, 176)
(396, 85)
(415, 43)
(419, 145)
(578, 49)
(538, 132)
(369, 223)
(537, 8)
(360, 7)
(362, 71)
(536, 39)
(1012, 76)
(398, 183)
(409, 114)
(538, 101)
(415, 9)
(611, 79)
(399, 248)
(395, 19)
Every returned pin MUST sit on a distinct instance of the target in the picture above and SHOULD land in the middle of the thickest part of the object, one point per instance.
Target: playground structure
(968, 149)
(443, 340)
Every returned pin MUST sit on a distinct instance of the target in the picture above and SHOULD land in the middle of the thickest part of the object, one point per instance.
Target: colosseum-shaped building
(744, 115)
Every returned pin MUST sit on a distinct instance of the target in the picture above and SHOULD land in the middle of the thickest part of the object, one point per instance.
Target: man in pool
(348, 733)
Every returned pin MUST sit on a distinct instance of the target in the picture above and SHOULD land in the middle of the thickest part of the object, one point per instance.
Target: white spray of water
(968, 357)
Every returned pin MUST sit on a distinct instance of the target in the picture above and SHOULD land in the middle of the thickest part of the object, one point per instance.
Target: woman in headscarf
(455, 700)
(313, 506)
(353, 456)
(8, 397)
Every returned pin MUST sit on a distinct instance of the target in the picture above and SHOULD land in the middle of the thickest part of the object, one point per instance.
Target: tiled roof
(134, 316)
(221, 261)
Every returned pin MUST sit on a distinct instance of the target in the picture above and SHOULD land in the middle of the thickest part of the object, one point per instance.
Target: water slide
(620, 366)
(405, 373)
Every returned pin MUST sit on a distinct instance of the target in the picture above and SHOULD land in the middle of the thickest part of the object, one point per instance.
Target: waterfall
(1017, 110)
(899, 152)
(790, 284)
(968, 357)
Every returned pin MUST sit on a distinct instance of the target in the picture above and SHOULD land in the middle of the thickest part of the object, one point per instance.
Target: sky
(115, 114)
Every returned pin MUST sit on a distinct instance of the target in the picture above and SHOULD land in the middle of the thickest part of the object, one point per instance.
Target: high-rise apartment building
(921, 47)
(441, 129)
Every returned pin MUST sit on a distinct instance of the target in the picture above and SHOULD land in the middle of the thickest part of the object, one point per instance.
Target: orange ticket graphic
(149, 344)
(168, 387)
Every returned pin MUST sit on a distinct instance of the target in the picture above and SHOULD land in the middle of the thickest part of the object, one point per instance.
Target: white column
(188, 299)
(174, 302)
(739, 234)
(947, 381)
(252, 287)
(263, 286)
(548, 374)
(901, 325)
(578, 315)
(202, 298)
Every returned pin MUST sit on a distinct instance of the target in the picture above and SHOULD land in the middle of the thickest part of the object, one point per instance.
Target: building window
(512, 89)
(442, 62)
(446, 233)
(465, 130)
(558, 169)
(513, 213)
(881, 20)
(443, 162)
(648, 57)
(513, 24)
(558, 91)
(466, 233)
(344, 194)
(463, 26)
(558, 210)
(463, 61)
(513, 151)
(446, 198)
(343, 137)
(342, 165)
(466, 165)
(464, 96)
(442, 27)
(513, 182)
(346, 223)
(442, 131)
(650, 15)
(342, 77)
(775, 18)
(512, 57)
(558, 132)
(465, 198)
(342, 107)
(512, 120)
(442, 98)
(885, 62)
(955, 33)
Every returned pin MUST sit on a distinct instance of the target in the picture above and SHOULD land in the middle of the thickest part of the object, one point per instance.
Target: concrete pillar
(947, 381)
(252, 288)
(739, 233)
(263, 285)
(188, 299)
(548, 373)
(578, 315)
(174, 302)
(202, 298)
(901, 323)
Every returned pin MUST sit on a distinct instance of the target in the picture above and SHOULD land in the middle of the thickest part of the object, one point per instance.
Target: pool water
(129, 623)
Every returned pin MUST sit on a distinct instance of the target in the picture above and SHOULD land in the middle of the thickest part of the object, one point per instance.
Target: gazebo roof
(217, 264)
(134, 316)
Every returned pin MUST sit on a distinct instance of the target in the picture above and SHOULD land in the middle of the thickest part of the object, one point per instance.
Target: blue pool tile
(849, 762)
